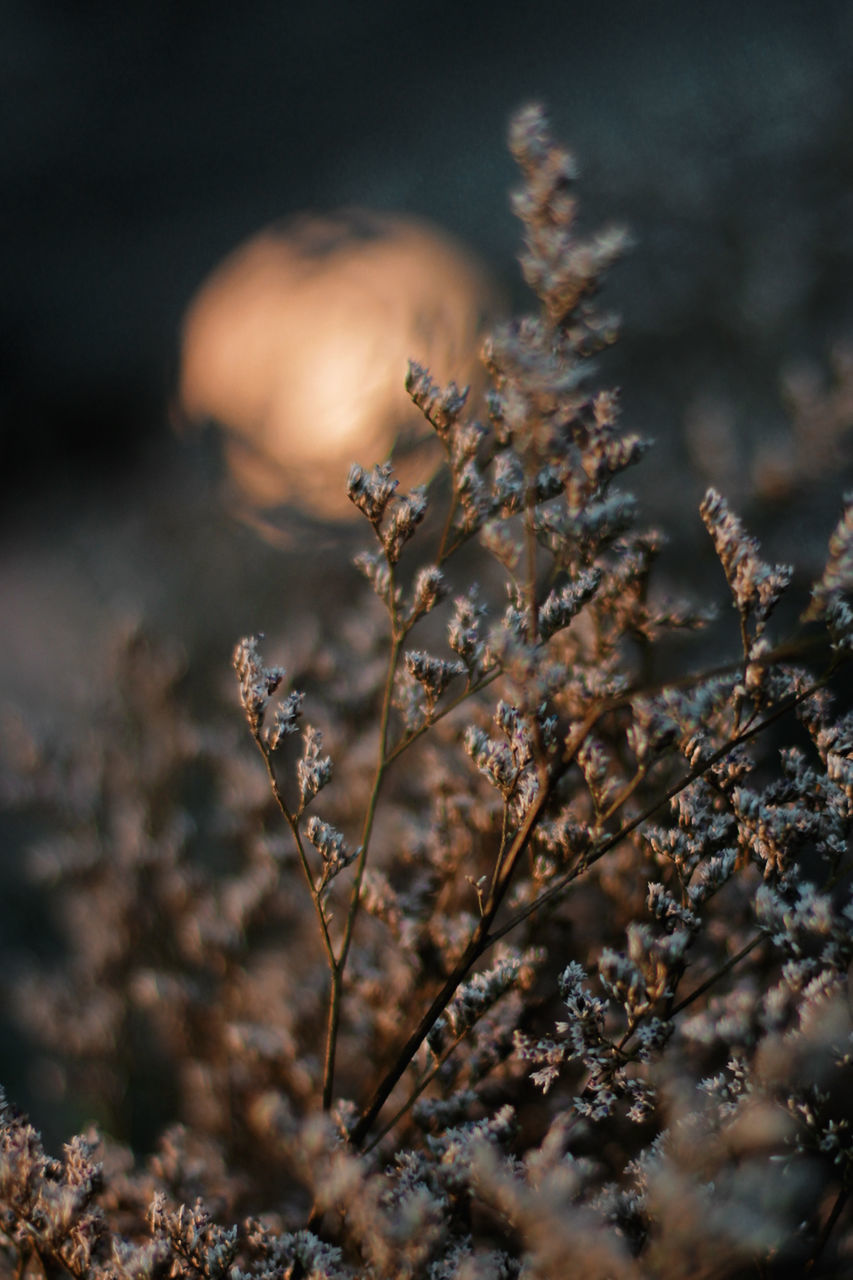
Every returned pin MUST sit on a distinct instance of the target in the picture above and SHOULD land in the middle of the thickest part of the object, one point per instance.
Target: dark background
(142, 141)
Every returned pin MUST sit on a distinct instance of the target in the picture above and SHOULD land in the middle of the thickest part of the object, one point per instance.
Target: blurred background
(142, 142)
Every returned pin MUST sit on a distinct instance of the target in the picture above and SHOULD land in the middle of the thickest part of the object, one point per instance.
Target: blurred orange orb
(297, 347)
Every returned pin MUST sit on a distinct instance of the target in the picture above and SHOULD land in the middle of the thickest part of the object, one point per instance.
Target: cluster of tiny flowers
(371, 491)
(394, 518)
(830, 594)
(330, 843)
(570, 865)
(564, 604)
(313, 769)
(375, 568)
(473, 998)
(432, 674)
(429, 589)
(466, 633)
(501, 762)
(441, 408)
(257, 682)
(191, 1236)
(285, 719)
(756, 586)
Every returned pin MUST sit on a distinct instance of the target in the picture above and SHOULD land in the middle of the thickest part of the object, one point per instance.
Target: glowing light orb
(297, 346)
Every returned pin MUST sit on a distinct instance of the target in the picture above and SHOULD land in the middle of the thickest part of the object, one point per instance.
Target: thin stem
(373, 799)
(480, 940)
(782, 653)
(715, 977)
(332, 1025)
(623, 794)
(590, 858)
(483, 938)
(530, 541)
(293, 822)
(744, 633)
(336, 993)
(445, 552)
(335, 963)
(828, 1227)
(410, 1048)
(422, 1084)
(502, 848)
(546, 780)
(467, 692)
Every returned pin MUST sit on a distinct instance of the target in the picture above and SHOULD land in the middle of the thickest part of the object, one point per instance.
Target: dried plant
(564, 987)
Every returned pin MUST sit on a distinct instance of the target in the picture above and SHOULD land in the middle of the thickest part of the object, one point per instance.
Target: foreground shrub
(564, 987)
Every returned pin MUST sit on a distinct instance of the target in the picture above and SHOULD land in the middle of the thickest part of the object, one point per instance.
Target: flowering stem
(403, 745)
(338, 966)
(715, 977)
(332, 1025)
(623, 794)
(293, 822)
(445, 551)
(335, 966)
(560, 885)
(422, 1084)
(502, 849)
(479, 942)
